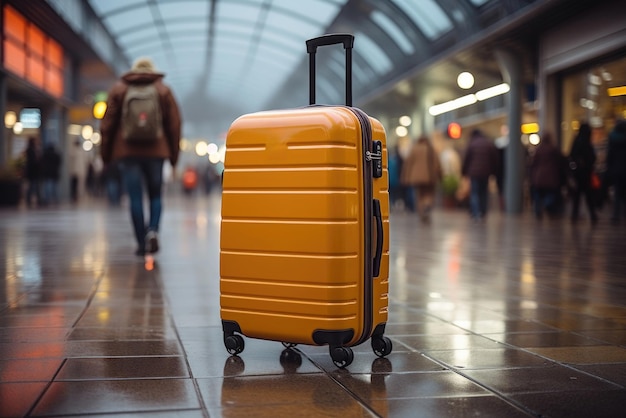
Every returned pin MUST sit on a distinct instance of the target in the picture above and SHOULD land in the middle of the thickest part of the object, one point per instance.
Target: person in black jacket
(50, 174)
(32, 171)
(481, 161)
(582, 157)
(616, 167)
(547, 176)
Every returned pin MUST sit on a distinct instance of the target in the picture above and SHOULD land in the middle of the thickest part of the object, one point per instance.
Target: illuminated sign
(30, 118)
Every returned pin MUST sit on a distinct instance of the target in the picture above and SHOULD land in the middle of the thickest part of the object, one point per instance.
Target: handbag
(596, 183)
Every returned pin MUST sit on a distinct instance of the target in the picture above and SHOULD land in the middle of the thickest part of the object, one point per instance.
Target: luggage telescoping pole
(338, 38)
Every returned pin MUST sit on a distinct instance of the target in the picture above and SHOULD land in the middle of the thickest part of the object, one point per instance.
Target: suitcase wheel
(381, 346)
(234, 344)
(290, 360)
(342, 356)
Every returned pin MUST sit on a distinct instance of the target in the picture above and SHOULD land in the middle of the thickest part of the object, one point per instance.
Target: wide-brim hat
(143, 65)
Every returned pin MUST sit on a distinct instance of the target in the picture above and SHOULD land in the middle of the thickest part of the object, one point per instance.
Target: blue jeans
(478, 197)
(137, 173)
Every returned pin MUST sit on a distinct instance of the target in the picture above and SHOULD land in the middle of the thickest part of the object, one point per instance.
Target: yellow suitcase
(304, 243)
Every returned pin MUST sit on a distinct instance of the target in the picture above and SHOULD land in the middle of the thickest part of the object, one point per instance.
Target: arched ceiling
(224, 58)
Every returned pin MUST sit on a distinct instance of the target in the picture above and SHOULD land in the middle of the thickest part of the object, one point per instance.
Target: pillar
(511, 68)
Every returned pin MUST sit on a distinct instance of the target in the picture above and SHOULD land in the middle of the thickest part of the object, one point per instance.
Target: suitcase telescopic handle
(379, 238)
(336, 38)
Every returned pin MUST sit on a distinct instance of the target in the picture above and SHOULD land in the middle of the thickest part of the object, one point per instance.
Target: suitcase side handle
(337, 38)
(379, 239)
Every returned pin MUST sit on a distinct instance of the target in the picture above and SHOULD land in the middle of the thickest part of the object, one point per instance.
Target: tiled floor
(510, 318)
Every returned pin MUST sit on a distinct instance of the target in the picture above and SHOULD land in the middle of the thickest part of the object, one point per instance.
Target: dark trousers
(583, 187)
(478, 199)
(138, 173)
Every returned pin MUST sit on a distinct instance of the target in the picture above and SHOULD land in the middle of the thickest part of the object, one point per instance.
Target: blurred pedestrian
(501, 143)
(481, 161)
(616, 168)
(547, 176)
(32, 171)
(422, 171)
(112, 178)
(50, 174)
(395, 194)
(141, 129)
(582, 158)
(404, 190)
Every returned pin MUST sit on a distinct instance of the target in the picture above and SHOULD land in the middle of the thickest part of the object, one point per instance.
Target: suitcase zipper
(368, 285)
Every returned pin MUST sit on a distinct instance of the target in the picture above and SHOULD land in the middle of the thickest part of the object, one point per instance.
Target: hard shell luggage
(304, 245)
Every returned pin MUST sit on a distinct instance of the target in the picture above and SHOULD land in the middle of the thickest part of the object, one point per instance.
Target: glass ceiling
(224, 56)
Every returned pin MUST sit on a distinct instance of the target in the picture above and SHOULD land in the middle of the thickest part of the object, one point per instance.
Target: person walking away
(582, 158)
(422, 171)
(50, 174)
(394, 176)
(141, 128)
(501, 143)
(480, 162)
(32, 172)
(616, 168)
(547, 175)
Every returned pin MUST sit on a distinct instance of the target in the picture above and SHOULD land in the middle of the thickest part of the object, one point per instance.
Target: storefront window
(596, 95)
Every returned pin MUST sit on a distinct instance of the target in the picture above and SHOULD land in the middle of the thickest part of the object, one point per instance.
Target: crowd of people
(42, 171)
(555, 180)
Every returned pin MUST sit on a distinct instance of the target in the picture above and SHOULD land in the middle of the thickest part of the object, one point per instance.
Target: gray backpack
(141, 114)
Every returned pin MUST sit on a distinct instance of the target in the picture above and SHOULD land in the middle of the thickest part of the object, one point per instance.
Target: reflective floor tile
(314, 393)
(487, 358)
(545, 339)
(16, 399)
(251, 364)
(591, 403)
(349, 409)
(90, 397)
(616, 337)
(33, 335)
(584, 354)
(408, 385)
(446, 342)
(500, 326)
(396, 361)
(535, 380)
(122, 334)
(123, 368)
(613, 372)
(29, 370)
(452, 407)
(113, 348)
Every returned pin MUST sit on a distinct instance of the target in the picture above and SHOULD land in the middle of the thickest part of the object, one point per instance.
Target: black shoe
(152, 242)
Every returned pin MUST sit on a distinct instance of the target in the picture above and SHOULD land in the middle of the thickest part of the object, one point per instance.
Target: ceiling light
(201, 148)
(465, 80)
(402, 131)
(534, 139)
(18, 128)
(452, 105)
(405, 120)
(492, 91)
(87, 145)
(86, 131)
(10, 118)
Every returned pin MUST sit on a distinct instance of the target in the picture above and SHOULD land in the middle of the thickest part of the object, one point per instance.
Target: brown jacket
(422, 166)
(114, 147)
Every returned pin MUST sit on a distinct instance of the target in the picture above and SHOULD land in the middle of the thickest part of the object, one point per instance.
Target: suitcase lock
(377, 157)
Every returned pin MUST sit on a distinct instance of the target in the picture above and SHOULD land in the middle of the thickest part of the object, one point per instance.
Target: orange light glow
(454, 130)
